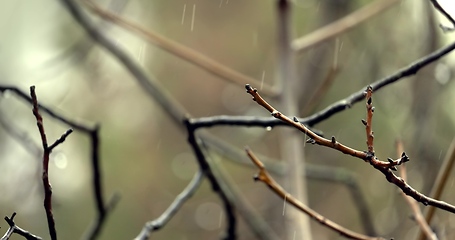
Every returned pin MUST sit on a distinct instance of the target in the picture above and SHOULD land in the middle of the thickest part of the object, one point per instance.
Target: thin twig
(102, 209)
(253, 219)
(334, 29)
(420, 219)
(264, 177)
(368, 122)
(13, 228)
(46, 152)
(438, 7)
(358, 96)
(179, 50)
(384, 167)
(178, 202)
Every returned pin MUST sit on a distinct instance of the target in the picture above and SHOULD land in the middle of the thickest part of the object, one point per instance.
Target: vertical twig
(46, 152)
(292, 142)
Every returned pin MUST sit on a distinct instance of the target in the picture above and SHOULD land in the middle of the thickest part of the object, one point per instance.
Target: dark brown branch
(359, 95)
(384, 167)
(264, 177)
(13, 228)
(46, 152)
(438, 7)
(102, 210)
(172, 209)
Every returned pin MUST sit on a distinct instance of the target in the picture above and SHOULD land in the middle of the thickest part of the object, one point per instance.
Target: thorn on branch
(364, 122)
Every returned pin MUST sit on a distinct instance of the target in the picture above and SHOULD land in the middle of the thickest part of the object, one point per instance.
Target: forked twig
(13, 228)
(420, 219)
(438, 7)
(384, 167)
(93, 132)
(264, 177)
(172, 209)
(46, 152)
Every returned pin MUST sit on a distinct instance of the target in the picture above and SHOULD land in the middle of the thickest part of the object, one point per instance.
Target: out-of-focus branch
(324, 87)
(46, 152)
(346, 103)
(178, 202)
(13, 228)
(179, 50)
(438, 7)
(420, 219)
(384, 167)
(102, 209)
(291, 151)
(22, 137)
(217, 187)
(255, 222)
(264, 177)
(334, 29)
(439, 184)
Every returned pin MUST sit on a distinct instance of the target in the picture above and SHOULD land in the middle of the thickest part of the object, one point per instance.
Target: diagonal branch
(438, 7)
(420, 219)
(384, 167)
(343, 25)
(358, 96)
(46, 152)
(179, 50)
(13, 228)
(172, 209)
(102, 209)
(264, 177)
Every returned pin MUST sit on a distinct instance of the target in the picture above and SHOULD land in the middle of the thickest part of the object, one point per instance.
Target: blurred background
(146, 158)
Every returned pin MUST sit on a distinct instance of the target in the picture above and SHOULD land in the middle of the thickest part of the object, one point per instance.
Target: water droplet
(60, 160)
(207, 216)
(268, 128)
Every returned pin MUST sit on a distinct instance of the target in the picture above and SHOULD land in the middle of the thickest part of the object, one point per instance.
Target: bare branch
(345, 24)
(346, 103)
(172, 209)
(46, 152)
(102, 210)
(438, 7)
(384, 167)
(264, 177)
(13, 228)
(179, 50)
(420, 219)
(214, 181)
(440, 183)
